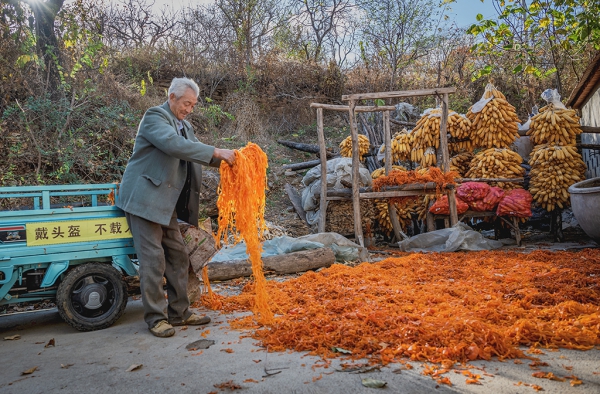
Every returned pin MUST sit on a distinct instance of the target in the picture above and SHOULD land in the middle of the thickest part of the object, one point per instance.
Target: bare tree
(323, 21)
(133, 24)
(398, 32)
(252, 22)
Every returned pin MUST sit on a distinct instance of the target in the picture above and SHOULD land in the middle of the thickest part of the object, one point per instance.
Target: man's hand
(225, 154)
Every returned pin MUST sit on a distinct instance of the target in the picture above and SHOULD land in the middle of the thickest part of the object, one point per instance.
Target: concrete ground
(98, 361)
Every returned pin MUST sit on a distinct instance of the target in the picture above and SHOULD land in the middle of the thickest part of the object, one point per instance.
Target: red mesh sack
(441, 206)
(516, 202)
(471, 191)
(489, 202)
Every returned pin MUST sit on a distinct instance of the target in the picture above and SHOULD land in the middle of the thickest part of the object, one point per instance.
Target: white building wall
(590, 116)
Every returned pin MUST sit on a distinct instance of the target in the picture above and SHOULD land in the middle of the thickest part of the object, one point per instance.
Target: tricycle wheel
(92, 296)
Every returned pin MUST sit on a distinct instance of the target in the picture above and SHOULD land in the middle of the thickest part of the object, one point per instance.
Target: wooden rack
(352, 99)
(356, 193)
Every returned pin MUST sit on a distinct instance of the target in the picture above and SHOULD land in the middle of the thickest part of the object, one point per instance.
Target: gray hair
(180, 85)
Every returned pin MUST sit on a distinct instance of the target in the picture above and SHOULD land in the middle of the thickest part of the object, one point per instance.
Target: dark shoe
(193, 320)
(162, 329)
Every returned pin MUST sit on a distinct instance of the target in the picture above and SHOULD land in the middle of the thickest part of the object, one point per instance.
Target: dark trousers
(161, 252)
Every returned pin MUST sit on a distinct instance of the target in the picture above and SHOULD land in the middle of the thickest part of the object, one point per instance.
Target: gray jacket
(156, 172)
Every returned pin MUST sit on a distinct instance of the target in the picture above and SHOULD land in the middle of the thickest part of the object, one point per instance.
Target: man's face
(184, 105)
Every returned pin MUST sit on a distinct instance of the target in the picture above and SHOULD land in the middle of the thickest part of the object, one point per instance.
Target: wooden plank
(388, 167)
(588, 146)
(394, 194)
(430, 221)
(358, 235)
(584, 130)
(360, 108)
(446, 158)
(590, 129)
(512, 180)
(345, 194)
(428, 188)
(323, 157)
(296, 201)
(398, 94)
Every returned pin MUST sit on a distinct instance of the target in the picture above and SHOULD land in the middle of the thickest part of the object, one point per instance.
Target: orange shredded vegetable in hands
(241, 205)
(441, 308)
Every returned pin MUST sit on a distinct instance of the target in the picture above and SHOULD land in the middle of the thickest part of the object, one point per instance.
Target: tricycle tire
(92, 296)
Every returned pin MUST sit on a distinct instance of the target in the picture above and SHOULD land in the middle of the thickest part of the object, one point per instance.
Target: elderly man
(161, 184)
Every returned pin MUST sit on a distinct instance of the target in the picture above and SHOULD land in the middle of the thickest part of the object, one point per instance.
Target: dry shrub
(248, 120)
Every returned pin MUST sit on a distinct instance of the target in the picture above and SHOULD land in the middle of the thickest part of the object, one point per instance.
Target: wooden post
(446, 159)
(388, 167)
(358, 234)
(323, 157)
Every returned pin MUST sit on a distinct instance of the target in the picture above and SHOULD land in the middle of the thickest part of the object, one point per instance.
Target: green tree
(544, 38)
(41, 21)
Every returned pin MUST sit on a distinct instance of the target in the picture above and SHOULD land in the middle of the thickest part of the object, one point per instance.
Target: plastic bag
(471, 191)
(459, 237)
(442, 207)
(516, 202)
(343, 248)
(489, 202)
(553, 97)
(478, 106)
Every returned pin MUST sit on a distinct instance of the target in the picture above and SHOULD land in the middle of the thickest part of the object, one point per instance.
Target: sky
(465, 11)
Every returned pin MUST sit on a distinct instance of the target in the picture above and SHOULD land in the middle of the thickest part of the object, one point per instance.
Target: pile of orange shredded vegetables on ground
(241, 206)
(441, 308)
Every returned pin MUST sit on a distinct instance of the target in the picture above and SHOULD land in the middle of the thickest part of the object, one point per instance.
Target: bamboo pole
(358, 234)
(388, 167)
(358, 108)
(446, 159)
(398, 94)
(323, 158)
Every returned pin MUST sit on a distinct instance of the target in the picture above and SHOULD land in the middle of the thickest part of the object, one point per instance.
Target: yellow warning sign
(68, 231)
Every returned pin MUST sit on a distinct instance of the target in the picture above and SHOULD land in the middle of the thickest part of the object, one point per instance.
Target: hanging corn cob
(381, 171)
(460, 163)
(494, 120)
(425, 135)
(404, 212)
(553, 169)
(363, 146)
(497, 163)
(554, 124)
(403, 145)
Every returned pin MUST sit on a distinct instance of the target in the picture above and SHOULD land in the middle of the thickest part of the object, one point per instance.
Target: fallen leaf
(373, 383)
(134, 367)
(257, 361)
(340, 350)
(227, 350)
(29, 371)
(228, 385)
(575, 382)
(250, 381)
(50, 343)
(66, 366)
(12, 337)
